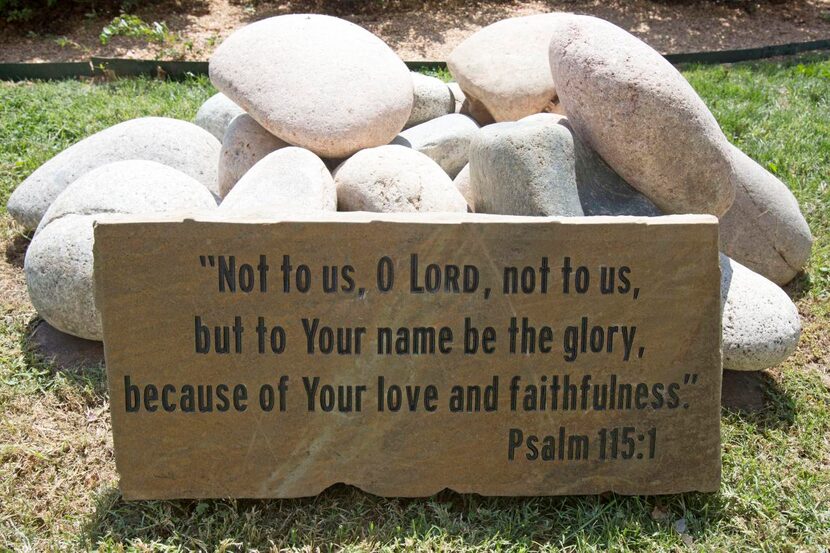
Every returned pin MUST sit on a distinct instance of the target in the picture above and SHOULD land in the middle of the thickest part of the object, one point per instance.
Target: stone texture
(289, 180)
(463, 185)
(764, 229)
(132, 186)
(392, 179)
(178, 144)
(432, 98)
(216, 114)
(641, 116)
(316, 81)
(245, 143)
(59, 275)
(505, 66)
(477, 111)
(457, 95)
(446, 140)
(524, 168)
(760, 323)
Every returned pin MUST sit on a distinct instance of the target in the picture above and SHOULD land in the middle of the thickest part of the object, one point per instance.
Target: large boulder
(760, 324)
(178, 144)
(245, 143)
(390, 179)
(505, 67)
(132, 186)
(446, 140)
(641, 116)
(432, 98)
(216, 114)
(764, 229)
(290, 180)
(316, 81)
(524, 168)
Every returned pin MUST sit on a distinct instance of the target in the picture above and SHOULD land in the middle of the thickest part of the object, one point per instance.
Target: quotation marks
(205, 260)
(689, 379)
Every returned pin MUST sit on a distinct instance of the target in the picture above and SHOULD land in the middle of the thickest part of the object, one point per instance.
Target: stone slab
(414, 434)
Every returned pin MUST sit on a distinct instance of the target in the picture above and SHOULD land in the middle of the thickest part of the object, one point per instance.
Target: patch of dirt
(433, 30)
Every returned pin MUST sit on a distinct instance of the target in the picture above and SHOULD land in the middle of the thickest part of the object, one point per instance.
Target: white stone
(132, 186)
(432, 99)
(764, 229)
(462, 183)
(760, 323)
(216, 114)
(446, 140)
(316, 81)
(457, 95)
(245, 143)
(178, 144)
(505, 66)
(390, 179)
(641, 116)
(289, 180)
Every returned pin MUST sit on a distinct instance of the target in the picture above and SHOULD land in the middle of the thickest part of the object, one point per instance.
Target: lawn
(58, 486)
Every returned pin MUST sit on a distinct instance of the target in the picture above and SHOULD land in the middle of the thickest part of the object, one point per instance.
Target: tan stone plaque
(406, 354)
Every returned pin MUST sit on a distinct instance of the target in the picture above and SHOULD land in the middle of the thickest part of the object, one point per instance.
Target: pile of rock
(551, 114)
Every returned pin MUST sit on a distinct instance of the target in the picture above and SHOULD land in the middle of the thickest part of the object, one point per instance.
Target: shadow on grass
(16, 250)
(344, 516)
(758, 398)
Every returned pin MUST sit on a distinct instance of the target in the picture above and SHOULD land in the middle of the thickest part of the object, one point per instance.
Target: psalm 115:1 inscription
(486, 354)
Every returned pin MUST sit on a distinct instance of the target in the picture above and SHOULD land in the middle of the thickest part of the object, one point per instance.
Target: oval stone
(391, 179)
(290, 180)
(216, 114)
(432, 99)
(641, 116)
(245, 143)
(446, 140)
(316, 81)
(760, 323)
(764, 229)
(178, 144)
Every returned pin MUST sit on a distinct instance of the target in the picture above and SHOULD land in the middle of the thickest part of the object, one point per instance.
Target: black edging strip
(119, 67)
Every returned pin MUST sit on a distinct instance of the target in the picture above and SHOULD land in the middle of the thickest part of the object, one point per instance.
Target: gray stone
(505, 66)
(59, 275)
(245, 143)
(432, 99)
(316, 81)
(178, 144)
(390, 179)
(289, 180)
(216, 114)
(524, 168)
(132, 186)
(760, 323)
(463, 185)
(641, 116)
(446, 140)
(457, 95)
(601, 190)
(764, 229)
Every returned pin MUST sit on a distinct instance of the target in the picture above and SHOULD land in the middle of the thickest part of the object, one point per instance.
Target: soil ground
(431, 31)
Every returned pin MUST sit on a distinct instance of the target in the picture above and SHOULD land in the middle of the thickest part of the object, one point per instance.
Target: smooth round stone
(641, 116)
(216, 114)
(524, 168)
(132, 186)
(178, 144)
(245, 143)
(316, 81)
(290, 180)
(432, 99)
(764, 229)
(59, 275)
(391, 179)
(463, 184)
(761, 326)
(505, 66)
(446, 140)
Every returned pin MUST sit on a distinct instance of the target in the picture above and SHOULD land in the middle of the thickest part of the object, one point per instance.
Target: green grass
(57, 477)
